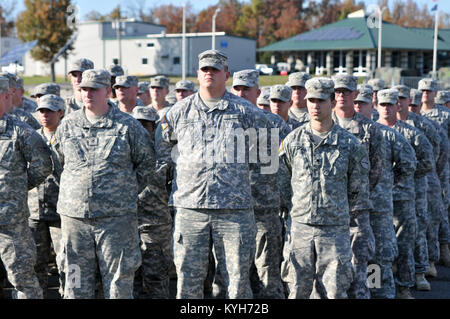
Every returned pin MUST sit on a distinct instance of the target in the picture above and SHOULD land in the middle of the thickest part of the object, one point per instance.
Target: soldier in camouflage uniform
(426, 187)
(76, 70)
(159, 89)
(211, 188)
(44, 220)
(184, 88)
(263, 101)
(14, 110)
(377, 85)
(265, 272)
(25, 162)
(155, 225)
(443, 98)
(369, 135)
(280, 102)
(298, 110)
(126, 88)
(24, 102)
(400, 167)
(438, 229)
(44, 89)
(329, 172)
(107, 159)
(405, 220)
(114, 70)
(144, 92)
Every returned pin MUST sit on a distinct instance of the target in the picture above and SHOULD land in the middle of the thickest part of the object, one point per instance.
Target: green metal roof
(360, 36)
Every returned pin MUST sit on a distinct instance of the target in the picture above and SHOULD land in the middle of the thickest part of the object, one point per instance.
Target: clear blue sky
(106, 6)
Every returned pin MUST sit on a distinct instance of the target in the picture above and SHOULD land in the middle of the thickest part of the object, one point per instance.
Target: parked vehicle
(264, 69)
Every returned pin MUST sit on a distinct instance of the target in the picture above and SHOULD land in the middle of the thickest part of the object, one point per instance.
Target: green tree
(47, 22)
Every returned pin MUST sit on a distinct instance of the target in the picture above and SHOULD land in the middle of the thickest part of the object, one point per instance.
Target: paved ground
(440, 287)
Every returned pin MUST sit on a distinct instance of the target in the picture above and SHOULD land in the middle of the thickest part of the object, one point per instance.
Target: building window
(115, 61)
(176, 60)
(150, 45)
(144, 61)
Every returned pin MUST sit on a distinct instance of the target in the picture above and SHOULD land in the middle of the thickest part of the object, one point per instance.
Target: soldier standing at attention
(25, 162)
(126, 92)
(263, 101)
(405, 220)
(44, 220)
(377, 85)
(437, 250)
(280, 102)
(75, 102)
(144, 92)
(184, 89)
(400, 167)
(365, 130)
(107, 158)
(155, 224)
(159, 89)
(211, 188)
(329, 170)
(265, 274)
(298, 110)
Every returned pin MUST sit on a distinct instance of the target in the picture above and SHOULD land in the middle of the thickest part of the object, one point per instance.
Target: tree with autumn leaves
(47, 22)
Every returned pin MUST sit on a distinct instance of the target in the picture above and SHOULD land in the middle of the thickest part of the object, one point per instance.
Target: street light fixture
(213, 46)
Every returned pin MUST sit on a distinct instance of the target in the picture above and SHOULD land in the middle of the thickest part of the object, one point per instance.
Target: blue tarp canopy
(16, 54)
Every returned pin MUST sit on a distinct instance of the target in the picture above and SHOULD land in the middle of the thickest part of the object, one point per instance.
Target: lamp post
(436, 26)
(183, 47)
(380, 27)
(213, 46)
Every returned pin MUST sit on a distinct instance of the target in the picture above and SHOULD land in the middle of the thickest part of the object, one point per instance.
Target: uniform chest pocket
(74, 152)
(232, 121)
(6, 152)
(113, 148)
(334, 163)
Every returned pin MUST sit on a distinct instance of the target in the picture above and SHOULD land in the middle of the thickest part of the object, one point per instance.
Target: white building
(146, 50)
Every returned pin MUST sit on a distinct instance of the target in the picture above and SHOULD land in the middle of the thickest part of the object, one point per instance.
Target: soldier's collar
(330, 139)
(105, 122)
(221, 105)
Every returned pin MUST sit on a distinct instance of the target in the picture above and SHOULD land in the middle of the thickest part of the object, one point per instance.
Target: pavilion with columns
(350, 46)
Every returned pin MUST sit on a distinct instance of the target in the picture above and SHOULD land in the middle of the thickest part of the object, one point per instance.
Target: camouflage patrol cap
(81, 65)
(145, 113)
(248, 78)
(442, 97)
(19, 82)
(143, 87)
(416, 97)
(52, 102)
(428, 84)
(319, 88)
(298, 79)
(46, 88)
(126, 81)
(365, 93)
(159, 81)
(212, 58)
(403, 91)
(264, 97)
(185, 85)
(4, 84)
(11, 78)
(96, 78)
(345, 81)
(115, 70)
(377, 84)
(389, 96)
(280, 92)
(171, 98)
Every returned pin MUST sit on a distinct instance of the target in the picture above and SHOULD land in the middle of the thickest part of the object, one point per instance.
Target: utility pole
(213, 46)
(436, 28)
(117, 24)
(183, 47)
